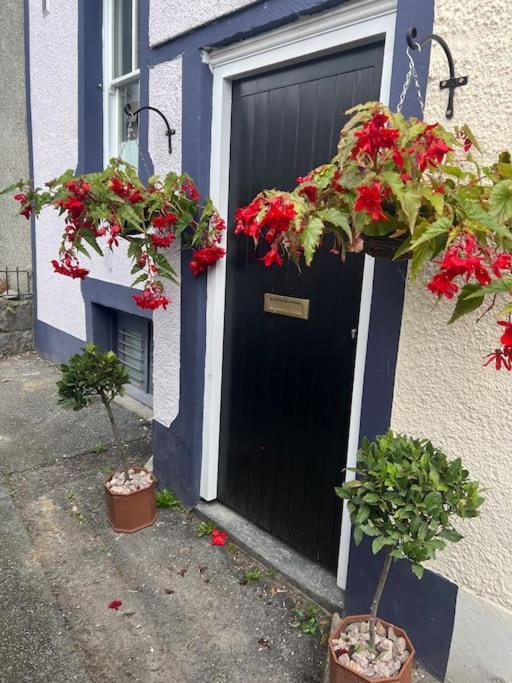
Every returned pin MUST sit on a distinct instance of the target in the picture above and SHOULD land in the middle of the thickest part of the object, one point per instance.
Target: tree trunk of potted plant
(378, 594)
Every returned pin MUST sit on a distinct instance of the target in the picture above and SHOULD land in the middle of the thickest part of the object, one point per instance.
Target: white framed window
(121, 78)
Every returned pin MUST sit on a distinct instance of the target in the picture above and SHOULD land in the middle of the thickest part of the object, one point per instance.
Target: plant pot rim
(132, 493)
(387, 248)
(365, 617)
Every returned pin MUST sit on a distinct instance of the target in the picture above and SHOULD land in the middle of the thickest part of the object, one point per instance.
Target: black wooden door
(287, 382)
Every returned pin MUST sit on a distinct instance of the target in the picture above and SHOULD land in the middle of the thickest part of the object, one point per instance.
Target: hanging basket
(382, 246)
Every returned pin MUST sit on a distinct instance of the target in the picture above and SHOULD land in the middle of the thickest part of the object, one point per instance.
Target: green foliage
(204, 529)
(406, 497)
(252, 575)
(305, 621)
(90, 374)
(167, 499)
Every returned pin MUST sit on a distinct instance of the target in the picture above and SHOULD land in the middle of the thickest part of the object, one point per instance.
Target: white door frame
(306, 38)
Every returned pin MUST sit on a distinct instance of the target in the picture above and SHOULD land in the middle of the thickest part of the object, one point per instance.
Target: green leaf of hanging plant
(477, 213)
(141, 278)
(470, 298)
(437, 228)
(420, 257)
(500, 285)
(410, 202)
(91, 241)
(311, 236)
(500, 200)
(336, 218)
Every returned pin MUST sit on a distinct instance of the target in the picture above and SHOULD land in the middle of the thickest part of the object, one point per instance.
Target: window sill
(134, 406)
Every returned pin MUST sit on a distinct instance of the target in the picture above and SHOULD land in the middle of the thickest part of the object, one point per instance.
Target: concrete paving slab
(35, 644)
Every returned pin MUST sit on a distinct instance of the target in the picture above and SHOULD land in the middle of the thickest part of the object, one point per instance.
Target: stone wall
(15, 326)
(14, 230)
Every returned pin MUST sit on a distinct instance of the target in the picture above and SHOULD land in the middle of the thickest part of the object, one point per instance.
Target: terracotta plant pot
(339, 673)
(134, 511)
(381, 246)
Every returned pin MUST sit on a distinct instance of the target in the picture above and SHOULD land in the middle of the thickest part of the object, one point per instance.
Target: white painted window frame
(111, 96)
(304, 39)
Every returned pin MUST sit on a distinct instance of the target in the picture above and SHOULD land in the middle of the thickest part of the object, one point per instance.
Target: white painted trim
(354, 22)
(111, 85)
(355, 410)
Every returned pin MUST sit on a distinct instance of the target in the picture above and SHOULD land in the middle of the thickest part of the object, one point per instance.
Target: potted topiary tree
(93, 375)
(404, 498)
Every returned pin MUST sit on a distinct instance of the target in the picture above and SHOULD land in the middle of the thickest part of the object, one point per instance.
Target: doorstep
(314, 581)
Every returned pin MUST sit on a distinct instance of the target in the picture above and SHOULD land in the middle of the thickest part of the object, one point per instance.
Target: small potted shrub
(405, 497)
(93, 375)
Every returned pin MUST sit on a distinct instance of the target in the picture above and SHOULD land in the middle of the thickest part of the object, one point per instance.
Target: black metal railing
(15, 282)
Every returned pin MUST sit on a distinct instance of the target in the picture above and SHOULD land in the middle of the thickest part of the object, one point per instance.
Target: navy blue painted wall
(178, 450)
(90, 92)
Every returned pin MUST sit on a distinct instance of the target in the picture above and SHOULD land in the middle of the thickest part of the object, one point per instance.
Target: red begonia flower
(205, 257)
(219, 537)
(151, 298)
(369, 199)
(115, 604)
(272, 256)
(506, 337)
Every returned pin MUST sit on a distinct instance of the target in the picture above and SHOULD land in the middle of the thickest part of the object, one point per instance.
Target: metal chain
(411, 74)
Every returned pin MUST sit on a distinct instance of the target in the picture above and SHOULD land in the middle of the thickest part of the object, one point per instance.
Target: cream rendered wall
(165, 94)
(171, 18)
(53, 89)
(442, 391)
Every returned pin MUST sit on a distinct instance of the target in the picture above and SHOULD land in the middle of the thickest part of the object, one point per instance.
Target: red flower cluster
(466, 259)
(429, 149)
(162, 240)
(310, 192)
(163, 237)
(152, 297)
(190, 190)
(374, 136)
(126, 191)
(272, 256)
(369, 199)
(246, 219)
(69, 266)
(26, 209)
(219, 537)
(502, 357)
(74, 204)
(115, 231)
(205, 257)
(276, 220)
(164, 221)
(270, 219)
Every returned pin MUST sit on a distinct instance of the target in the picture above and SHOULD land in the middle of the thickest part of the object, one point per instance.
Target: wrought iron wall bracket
(447, 83)
(169, 131)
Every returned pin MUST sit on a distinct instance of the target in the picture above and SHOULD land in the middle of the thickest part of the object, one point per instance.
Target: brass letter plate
(286, 305)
